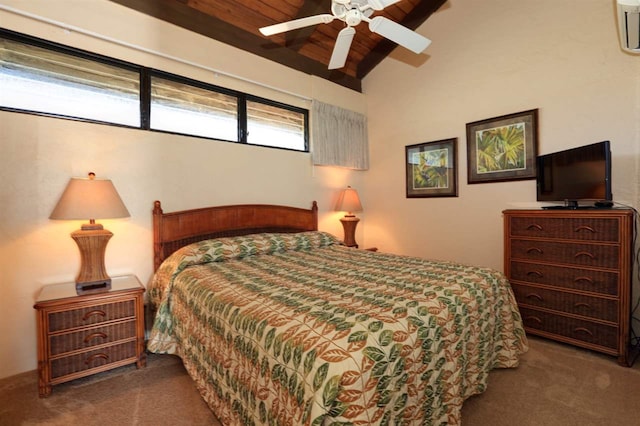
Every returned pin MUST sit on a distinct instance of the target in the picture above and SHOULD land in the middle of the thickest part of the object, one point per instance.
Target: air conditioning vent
(629, 25)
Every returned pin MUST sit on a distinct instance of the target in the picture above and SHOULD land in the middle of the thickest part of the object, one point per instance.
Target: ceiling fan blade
(341, 49)
(399, 34)
(381, 4)
(297, 23)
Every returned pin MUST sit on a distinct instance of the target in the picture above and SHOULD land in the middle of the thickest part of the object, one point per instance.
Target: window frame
(145, 77)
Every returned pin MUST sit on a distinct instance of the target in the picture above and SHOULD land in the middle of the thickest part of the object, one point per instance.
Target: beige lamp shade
(349, 201)
(89, 198)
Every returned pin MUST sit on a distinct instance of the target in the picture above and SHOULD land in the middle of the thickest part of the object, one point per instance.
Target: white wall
(38, 155)
(491, 58)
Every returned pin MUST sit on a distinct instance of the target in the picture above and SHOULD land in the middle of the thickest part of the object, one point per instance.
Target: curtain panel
(339, 137)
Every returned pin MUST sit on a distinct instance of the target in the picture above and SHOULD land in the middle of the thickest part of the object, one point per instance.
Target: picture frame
(432, 169)
(503, 148)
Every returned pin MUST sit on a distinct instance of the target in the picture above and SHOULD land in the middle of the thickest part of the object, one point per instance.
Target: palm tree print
(501, 148)
(430, 169)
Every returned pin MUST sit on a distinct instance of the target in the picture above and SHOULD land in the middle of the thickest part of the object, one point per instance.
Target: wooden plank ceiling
(236, 22)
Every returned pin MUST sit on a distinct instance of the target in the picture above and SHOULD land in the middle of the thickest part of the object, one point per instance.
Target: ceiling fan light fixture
(353, 17)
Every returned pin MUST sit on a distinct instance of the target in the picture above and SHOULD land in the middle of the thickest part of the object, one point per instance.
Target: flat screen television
(575, 176)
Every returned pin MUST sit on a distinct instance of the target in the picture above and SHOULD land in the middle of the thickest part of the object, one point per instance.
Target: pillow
(221, 249)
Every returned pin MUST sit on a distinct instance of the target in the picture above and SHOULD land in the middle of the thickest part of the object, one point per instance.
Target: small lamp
(349, 202)
(90, 199)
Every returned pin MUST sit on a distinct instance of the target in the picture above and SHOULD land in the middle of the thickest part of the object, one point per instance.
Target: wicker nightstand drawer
(80, 335)
(598, 255)
(577, 304)
(586, 229)
(93, 359)
(86, 338)
(91, 315)
(591, 280)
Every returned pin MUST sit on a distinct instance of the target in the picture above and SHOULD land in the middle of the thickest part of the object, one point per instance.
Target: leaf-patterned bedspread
(297, 329)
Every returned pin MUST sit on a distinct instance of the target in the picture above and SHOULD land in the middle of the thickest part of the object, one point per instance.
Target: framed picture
(503, 148)
(432, 169)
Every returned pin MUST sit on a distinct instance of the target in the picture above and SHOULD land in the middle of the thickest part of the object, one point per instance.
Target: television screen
(574, 175)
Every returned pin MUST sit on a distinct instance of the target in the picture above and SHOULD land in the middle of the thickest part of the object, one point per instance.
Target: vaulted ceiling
(236, 22)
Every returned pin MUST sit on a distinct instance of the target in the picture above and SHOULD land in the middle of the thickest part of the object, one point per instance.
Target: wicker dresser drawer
(572, 328)
(585, 228)
(571, 271)
(80, 335)
(94, 359)
(65, 320)
(573, 303)
(86, 338)
(598, 255)
(575, 278)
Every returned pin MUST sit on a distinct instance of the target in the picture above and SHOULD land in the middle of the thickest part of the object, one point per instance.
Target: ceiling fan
(352, 12)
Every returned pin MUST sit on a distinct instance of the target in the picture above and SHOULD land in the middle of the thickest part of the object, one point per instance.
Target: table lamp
(349, 202)
(90, 199)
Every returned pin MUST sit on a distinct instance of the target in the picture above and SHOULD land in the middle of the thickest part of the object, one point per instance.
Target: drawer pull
(584, 253)
(95, 335)
(534, 319)
(534, 250)
(585, 228)
(583, 330)
(534, 273)
(587, 279)
(93, 357)
(93, 313)
(582, 305)
(534, 227)
(534, 296)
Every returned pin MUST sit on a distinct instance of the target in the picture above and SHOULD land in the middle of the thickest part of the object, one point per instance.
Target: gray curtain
(339, 137)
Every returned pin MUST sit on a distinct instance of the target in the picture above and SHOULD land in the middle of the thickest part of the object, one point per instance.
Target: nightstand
(83, 335)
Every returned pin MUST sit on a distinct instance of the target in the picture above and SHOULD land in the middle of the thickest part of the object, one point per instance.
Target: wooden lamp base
(92, 241)
(349, 224)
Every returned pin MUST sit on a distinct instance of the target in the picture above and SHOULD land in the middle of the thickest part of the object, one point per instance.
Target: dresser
(83, 335)
(571, 274)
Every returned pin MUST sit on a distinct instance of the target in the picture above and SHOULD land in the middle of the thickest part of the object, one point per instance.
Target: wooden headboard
(174, 230)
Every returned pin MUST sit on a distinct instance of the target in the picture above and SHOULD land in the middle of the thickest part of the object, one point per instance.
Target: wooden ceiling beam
(183, 16)
(295, 39)
(236, 23)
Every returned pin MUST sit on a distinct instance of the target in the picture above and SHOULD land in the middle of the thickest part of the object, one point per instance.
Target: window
(190, 110)
(40, 77)
(273, 125)
(52, 82)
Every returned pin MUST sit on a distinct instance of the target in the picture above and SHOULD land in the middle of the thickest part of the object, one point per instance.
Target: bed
(279, 323)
